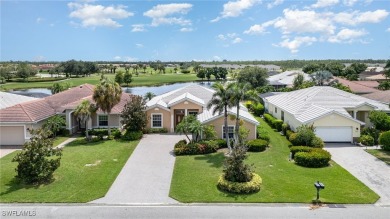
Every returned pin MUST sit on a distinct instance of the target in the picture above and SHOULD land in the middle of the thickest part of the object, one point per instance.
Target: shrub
(257, 145)
(317, 142)
(110, 137)
(155, 130)
(181, 143)
(314, 158)
(263, 134)
(285, 128)
(204, 147)
(367, 140)
(293, 139)
(304, 136)
(269, 119)
(240, 187)
(185, 71)
(296, 149)
(64, 132)
(207, 147)
(132, 136)
(371, 132)
(288, 133)
(380, 120)
(116, 133)
(258, 109)
(277, 124)
(221, 143)
(384, 140)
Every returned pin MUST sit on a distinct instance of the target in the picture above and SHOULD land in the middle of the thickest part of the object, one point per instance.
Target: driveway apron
(373, 172)
(146, 176)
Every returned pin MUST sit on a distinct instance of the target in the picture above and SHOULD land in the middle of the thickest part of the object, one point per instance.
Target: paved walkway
(4, 150)
(368, 169)
(146, 176)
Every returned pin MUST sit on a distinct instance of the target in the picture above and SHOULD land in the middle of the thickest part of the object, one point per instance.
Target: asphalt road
(193, 211)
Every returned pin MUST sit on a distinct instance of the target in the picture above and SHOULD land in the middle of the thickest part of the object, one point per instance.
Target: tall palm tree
(83, 112)
(106, 95)
(240, 92)
(149, 95)
(221, 101)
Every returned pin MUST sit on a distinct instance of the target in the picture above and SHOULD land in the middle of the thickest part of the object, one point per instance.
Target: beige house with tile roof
(17, 120)
(168, 110)
(336, 115)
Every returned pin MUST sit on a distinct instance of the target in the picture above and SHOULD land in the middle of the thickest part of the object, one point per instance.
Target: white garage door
(335, 134)
(11, 135)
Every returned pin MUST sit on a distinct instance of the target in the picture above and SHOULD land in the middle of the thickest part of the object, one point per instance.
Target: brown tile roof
(357, 88)
(372, 84)
(382, 96)
(40, 109)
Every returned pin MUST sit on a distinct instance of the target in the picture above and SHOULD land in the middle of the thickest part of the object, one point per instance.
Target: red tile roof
(40, 109)
(382, 96)
(358, 88)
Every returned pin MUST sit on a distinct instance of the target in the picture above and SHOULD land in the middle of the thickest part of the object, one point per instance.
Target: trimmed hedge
(257, 145)
(317, 142)
(285, 128)
(288, 133)
(277, 123)
(155, 130)
(258, 109)
(296, 149)
(269, 119)
(132, 136)
(367, 140)
(240, 188)
(384, 141)
(315, 158)
(101, 132)
(204, 147)
(221, 143)
(263, 134)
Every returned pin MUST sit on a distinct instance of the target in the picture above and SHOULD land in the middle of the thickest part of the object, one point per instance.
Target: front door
(179, 118)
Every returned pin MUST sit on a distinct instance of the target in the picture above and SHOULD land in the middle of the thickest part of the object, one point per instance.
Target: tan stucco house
(168, 110)
(18, 119)
(336, 115)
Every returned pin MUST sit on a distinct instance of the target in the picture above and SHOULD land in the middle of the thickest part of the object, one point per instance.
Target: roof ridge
(21, 105)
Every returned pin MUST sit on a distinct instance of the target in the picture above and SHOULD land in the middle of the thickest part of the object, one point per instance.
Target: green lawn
(381, 155)
(141, 80)
(195, 178)
(74, 182)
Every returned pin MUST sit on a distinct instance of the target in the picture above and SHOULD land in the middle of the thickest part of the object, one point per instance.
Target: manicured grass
(380, 154)
(141, 80)
(195, 178)
(74, 182)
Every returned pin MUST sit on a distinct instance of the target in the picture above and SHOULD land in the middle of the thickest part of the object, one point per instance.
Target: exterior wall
(288, 118)
(113, 121)
(337, 120)
(33, 126)
(218, 124)
(166, 117)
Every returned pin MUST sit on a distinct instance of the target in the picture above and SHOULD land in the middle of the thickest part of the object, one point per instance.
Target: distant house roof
(269, 94)
(358, 87)
(286, 78)
(241, 66)
(9, 99)
(39, 109)
(197, 94)
(314, 102)
(382, 96)
(372, 75)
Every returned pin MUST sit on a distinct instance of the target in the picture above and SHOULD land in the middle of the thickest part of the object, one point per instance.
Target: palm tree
(149, 95)
(106, 95)
(83, 112)
(221, 101)
(320, 77)
(240, 92)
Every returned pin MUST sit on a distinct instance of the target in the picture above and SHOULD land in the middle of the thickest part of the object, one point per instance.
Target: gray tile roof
(9, 99)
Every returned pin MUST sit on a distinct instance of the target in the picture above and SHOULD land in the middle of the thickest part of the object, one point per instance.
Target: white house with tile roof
(168, 110)
(336, 115)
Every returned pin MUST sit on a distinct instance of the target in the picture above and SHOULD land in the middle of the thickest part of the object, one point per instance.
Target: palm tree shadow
(214, 159)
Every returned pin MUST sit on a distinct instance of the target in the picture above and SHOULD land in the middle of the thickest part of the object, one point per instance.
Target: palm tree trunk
(86, 130)
(237, 129)
(227, 131)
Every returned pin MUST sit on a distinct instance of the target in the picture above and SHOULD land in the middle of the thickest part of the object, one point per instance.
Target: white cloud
(235, 8)
(388, 29)
(138, 28)
(186, 29)
(163, 14)
(217, 58)
(293, 45)
(117, 58)
(39, 20)
(129, 59)
(324, 3)
(355, 17)
(221, 37)
(39, 58)
(98, 15)
(237, 40)
(274, 3)
(347, 36)
(259, 28)
(349, 2)
(139, 45)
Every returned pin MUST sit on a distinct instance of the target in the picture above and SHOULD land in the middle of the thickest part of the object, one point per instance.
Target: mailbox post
(319, 186)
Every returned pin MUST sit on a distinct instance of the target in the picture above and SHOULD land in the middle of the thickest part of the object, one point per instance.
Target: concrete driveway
(368, 169)
(4, 150)
(146, 176)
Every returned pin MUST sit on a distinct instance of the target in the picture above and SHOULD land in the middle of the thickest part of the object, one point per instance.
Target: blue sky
(194, 30)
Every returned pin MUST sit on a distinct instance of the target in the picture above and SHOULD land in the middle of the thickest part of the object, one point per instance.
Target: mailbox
(319, 186)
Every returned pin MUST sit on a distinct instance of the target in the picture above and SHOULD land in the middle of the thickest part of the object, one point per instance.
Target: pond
(141, 90)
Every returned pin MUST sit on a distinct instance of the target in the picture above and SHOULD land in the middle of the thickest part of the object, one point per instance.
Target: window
(276, 110)
(230, 132)
(193, 112)
(103, 120)
(156, 120)
(282, 115)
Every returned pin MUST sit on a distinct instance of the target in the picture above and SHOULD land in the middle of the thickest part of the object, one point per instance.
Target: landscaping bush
(240, 187)
(285, 128)
(288, 133)
(317, 142)
(366, 140)
(263, 134)
(257, 109)
(384, 141)
(101, 132)
(204, 147)
(155, 130)
(207, 147)
(371, 132)
(132, 136)
(221, 143)
(257, 145)
(116, 133)
(185, 71)
(315, 158)
(64, 132)
(293, 139)
(269, 119)
(277, 124)
(296, 149)
(180, 143)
